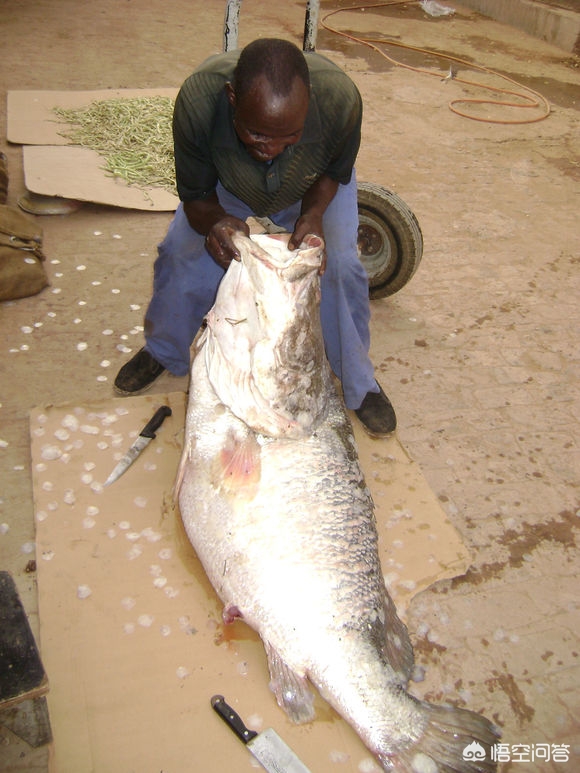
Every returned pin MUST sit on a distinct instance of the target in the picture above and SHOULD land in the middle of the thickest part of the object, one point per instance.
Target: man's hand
(306, 226)
(314, 205)
(219, 242)
(308, 223)
(208, 217)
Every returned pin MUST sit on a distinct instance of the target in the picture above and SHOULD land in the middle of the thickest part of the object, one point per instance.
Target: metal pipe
(231, 24)
(311, 25)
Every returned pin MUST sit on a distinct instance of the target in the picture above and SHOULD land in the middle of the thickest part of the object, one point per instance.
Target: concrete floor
(479, 353)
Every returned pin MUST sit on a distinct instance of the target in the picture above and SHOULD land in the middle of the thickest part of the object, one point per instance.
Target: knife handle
(158, 418)
(229, 716)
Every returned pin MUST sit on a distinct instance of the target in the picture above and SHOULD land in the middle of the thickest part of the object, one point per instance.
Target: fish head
(286, 294)
(275, 351)
(264, 253)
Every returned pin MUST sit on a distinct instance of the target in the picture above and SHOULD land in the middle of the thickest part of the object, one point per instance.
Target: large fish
(275, 504)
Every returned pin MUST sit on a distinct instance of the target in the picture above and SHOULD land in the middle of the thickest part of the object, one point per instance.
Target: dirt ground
(479, 352)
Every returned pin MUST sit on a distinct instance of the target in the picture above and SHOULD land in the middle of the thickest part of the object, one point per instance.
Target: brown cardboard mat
(130, 629)
(54, 168)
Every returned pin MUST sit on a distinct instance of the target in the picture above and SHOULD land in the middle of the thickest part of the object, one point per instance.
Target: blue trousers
(186, 279)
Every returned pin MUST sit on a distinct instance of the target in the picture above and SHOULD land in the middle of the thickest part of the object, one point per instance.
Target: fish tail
(453, 741)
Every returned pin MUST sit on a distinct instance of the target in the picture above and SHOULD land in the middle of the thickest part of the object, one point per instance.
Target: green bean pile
(133, 135)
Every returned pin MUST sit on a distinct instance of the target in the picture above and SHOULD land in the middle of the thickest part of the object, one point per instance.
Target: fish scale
(283, 521)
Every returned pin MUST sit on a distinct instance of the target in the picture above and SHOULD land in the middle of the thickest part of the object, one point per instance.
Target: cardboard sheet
(30, 117)
(131, 632)
(76, 173)
(54, 168)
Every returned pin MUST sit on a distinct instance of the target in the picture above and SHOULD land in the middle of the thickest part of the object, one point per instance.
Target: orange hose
(530, 99)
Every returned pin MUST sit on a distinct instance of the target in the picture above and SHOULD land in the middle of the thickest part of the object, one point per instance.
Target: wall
(558, 24)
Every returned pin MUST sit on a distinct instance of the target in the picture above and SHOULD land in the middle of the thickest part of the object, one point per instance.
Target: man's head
(269, 93)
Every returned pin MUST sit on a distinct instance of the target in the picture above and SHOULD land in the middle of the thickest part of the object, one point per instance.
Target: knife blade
(145, 437)
(273, 754)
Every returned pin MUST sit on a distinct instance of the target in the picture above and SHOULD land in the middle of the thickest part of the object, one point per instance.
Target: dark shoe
(138, 374)
(377, 415)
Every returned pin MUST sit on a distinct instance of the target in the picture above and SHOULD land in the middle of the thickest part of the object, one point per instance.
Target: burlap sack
(22, 271)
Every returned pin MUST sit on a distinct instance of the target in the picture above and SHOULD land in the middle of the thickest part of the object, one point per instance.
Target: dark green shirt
(207, 148)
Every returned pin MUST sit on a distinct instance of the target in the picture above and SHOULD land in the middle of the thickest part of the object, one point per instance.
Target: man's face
(265, 123)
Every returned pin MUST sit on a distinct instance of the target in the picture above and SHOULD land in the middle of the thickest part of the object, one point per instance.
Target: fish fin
(237, 467)
(292, 691)
(178, 481)
(398, 648)
(453, 741)
(185, 457)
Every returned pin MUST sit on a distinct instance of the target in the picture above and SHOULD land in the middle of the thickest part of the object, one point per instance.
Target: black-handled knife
(268, 748)
(145, 437)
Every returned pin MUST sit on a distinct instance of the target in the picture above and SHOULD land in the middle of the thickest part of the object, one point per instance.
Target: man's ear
(230, 94)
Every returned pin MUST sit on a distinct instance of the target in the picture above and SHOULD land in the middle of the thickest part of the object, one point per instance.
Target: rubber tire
(390, 239)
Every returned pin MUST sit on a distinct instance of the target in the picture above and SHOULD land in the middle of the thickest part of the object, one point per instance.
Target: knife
(267, 747)
(145, 437)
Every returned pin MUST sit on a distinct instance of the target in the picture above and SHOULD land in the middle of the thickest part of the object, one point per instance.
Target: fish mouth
(263, 248)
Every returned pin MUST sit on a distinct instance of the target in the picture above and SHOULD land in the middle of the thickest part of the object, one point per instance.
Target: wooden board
(22, 675)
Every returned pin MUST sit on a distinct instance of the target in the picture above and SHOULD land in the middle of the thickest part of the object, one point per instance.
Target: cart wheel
(389, 239)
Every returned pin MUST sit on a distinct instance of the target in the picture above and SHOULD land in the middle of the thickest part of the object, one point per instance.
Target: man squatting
(274, 132)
